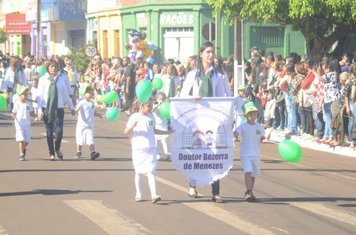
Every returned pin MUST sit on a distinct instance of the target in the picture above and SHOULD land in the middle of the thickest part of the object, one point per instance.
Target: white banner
(202, 141)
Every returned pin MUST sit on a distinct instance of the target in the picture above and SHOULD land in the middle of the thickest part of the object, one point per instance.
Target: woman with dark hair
(332, 95)
(204, 82)
(53, 94)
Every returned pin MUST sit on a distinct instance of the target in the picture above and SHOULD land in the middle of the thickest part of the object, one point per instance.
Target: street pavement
(39, 196)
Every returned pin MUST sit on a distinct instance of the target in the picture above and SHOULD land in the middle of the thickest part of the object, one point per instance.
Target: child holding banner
(141, 128)
(252, 135)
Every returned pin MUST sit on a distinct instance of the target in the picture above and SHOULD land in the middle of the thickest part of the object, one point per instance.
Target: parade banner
(202, 141)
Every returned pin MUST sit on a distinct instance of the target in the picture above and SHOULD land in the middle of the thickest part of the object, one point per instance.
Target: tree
(3, 37)
(79, 59)
(322, 22)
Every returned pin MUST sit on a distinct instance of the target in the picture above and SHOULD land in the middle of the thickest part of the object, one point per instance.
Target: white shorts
(84, 136)
(251, 165)
(23, 134)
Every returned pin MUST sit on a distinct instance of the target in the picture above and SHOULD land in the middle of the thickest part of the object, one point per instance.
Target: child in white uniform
(141, 128)
(21, 113)
(252, 135)
(161, 124)
(85, 124)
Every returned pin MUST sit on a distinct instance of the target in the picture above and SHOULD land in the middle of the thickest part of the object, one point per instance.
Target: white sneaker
(52, 158)
(156, 199)
(138, 199)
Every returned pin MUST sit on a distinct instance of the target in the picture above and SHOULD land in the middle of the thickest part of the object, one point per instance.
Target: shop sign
(16, 24)
(179, 19)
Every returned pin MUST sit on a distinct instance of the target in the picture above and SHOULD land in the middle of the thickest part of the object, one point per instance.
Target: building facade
(62, 23)
(178, 28)
(104, 27)
(17, 29)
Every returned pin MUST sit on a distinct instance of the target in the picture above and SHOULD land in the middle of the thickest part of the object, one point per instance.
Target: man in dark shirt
(129, 83)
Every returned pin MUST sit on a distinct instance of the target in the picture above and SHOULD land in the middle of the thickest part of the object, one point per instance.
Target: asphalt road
(39, 196)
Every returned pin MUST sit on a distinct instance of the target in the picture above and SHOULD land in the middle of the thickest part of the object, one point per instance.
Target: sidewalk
(339, 150)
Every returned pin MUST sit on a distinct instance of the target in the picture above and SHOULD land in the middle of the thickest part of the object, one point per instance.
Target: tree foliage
(322, 22)
(79, 59)
(3, 36)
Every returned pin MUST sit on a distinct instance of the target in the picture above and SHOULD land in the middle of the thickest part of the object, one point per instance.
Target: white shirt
(85, 113)
(193, 83)
(143, 136)
(251, 140)
(34, 96)
(23, 111)
(10, 77)
(62, 89)
(167, 84)
(161, 124)
(239, 101)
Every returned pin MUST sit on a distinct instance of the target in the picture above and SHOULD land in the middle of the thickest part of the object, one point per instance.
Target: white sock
(138, 185)
(152, 184)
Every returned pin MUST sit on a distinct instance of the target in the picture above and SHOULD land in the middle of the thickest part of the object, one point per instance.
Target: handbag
(279, 98)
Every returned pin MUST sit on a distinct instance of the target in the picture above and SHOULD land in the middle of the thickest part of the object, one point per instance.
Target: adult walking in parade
(204, 81)
(53, 94)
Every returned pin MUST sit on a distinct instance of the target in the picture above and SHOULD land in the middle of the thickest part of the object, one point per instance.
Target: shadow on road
(49, 192)
(72, 170)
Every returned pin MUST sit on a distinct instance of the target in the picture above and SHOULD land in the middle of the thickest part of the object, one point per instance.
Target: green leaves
(320, 21)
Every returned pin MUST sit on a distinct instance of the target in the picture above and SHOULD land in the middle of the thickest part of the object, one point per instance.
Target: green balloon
(290, 151)
(112, 114)
(41, 70)
(164, 110)
(110, 97)
(157, 83)
(144, 91)
(3, 103)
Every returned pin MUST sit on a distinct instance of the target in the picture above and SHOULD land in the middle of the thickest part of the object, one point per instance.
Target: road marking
(320, 169)
(3, 231)
(219, 213)
(318, 208)
(109, 220)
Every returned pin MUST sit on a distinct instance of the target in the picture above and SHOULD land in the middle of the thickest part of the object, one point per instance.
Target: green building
(180, 27)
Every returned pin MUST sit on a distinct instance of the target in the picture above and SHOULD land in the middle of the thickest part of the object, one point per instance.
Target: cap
(344, 76)
(249, 107)
(21, 89)
(240, 88)
(254, 48)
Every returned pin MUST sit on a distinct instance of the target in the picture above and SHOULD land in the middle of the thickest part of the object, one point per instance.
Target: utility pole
(38, 29)
(239, 78)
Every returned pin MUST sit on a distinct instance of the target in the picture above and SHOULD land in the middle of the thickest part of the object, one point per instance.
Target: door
(178, 44)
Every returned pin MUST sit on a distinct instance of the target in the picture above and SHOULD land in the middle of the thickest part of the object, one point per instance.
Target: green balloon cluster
(164, 110)
(110, 97)
(41, 70)
(3, 103)
(112, 114)
(157, 83)
(290, 151)
(144, 91)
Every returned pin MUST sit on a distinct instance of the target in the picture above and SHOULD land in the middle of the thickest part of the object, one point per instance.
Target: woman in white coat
(205, 81)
